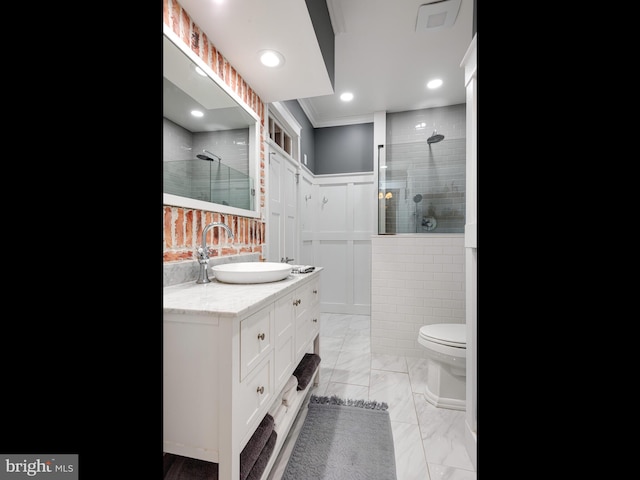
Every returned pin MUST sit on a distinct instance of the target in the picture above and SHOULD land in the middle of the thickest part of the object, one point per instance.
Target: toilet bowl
(446, 346)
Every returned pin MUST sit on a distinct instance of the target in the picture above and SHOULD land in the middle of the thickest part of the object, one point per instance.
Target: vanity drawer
(255, 339)
(254, 395)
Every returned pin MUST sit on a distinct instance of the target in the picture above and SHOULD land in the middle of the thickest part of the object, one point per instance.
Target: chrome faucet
(286, 260)
(202, 252)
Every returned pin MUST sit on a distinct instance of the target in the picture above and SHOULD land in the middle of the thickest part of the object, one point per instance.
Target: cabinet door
(314, 311)
(304, 299)
(284, 340)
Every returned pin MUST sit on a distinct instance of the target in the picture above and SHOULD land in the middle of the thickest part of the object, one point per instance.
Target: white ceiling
(379, 55)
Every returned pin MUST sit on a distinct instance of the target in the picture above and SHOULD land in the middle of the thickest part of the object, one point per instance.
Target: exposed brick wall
(182, 227)
(183, 234)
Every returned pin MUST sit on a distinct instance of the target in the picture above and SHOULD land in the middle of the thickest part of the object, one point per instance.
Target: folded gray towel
(306, 368)
(258, 468)
(251, 452)
(182, 468)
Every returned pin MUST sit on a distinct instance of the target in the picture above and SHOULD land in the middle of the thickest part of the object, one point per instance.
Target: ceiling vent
(433, 16)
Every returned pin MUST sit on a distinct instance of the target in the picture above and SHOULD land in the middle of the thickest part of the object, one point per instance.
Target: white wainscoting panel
(332, 255)
(363, 196)
(333, 209)
(336, 226)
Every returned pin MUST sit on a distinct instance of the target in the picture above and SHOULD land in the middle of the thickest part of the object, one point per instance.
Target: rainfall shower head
(202, 156)
(417, 198)
(435, 138)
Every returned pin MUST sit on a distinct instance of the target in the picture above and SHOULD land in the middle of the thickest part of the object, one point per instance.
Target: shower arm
(213, 155)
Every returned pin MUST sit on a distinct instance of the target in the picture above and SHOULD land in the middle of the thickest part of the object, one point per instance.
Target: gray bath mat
(343, 440)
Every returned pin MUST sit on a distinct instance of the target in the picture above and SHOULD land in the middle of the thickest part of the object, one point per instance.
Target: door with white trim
(283, 208)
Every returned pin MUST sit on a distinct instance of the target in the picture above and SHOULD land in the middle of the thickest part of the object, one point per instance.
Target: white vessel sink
(251, 272)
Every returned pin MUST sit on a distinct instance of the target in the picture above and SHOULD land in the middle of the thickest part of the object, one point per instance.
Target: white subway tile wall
(416, 280)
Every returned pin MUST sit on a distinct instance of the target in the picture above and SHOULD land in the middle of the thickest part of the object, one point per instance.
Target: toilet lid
(452, 334)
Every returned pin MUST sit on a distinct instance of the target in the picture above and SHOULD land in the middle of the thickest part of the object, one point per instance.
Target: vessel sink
(251, 272)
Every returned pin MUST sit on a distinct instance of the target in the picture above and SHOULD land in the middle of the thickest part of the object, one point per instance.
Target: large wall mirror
(210, 160)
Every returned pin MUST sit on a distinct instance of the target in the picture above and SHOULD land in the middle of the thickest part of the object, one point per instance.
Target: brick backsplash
(182, 234)
(416, 280)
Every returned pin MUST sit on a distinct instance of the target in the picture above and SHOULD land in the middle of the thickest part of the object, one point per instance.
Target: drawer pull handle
(315, 320)
(261, 336)
(260, 390)
(296, 302)
(315, 291)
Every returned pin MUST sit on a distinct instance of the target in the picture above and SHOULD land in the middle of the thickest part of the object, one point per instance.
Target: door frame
(287, 121)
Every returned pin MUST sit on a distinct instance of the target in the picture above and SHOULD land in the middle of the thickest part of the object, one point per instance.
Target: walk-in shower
(422, 188)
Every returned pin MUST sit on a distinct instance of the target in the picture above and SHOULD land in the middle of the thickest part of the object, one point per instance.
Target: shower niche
(421, 187)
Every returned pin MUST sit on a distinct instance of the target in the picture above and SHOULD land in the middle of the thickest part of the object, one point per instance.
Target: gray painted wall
(307, 135)
(344, 149)
(350, 149)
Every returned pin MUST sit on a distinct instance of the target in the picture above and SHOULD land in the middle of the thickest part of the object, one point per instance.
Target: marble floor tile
(395, 389)
(417, 373)
(356, 343)
(330, 349)
(360, 325)
(442, 432)
(352, 367)
(391, 363)
(442, 472)
(347, 391)
(409, 453)
(334, 325)
(335, 341)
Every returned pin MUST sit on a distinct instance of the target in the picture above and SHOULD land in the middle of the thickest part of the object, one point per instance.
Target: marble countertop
(228, 300)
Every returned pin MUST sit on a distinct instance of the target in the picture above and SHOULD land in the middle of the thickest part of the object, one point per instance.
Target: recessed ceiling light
(199, 71)
(434, 83)
(197, 113)
(271, 58)
(346, 97)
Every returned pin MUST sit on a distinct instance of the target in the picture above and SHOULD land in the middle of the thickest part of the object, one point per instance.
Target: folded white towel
(276, 405)
(278, 416)
(292, 383)
(288, 397)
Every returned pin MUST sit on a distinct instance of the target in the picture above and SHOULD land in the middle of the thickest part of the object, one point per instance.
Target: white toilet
(446, 345)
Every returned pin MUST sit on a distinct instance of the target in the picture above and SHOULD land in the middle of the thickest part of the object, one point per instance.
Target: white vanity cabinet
(228, 351)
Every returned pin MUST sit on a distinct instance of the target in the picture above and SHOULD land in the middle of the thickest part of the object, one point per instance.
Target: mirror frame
(254, 143)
